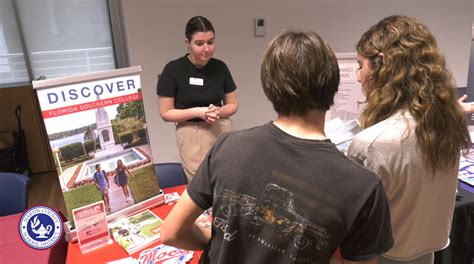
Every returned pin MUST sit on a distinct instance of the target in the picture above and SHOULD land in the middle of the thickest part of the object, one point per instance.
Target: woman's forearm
(228, 110)
(180, 115)
(231, 104)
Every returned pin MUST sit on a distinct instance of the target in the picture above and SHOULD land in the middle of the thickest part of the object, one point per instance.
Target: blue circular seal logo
(41, 227)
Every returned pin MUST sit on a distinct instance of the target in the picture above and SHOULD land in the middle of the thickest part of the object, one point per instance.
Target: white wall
(155, 31)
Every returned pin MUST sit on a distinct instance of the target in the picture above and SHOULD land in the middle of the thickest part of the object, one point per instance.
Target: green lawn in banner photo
(144, 184)
(80, 196)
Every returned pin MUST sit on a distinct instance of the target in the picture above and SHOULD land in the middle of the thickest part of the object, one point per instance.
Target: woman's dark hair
(198, 24)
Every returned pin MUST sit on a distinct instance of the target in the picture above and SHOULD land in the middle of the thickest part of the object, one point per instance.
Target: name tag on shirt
(196, 81)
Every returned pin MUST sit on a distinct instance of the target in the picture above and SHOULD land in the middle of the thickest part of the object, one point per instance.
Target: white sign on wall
(347, 102)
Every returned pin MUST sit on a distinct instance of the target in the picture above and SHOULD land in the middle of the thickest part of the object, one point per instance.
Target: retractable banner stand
(95, 123)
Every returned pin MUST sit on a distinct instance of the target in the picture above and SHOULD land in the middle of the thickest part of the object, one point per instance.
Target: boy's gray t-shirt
(281, 199)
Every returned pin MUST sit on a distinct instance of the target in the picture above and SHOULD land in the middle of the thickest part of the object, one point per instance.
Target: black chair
(170, 174)
(13, 193)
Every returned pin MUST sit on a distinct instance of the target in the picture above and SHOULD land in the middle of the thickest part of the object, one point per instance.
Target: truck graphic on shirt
(275, 209)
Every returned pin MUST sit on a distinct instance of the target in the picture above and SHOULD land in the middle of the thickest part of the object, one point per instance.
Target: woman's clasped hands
(209, 114)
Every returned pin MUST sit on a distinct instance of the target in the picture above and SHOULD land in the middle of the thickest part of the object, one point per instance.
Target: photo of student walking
(102, 182)
(114, 186)
(121, 179)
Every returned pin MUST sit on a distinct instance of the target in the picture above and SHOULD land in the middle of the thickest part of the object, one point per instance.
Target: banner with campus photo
(97, 132)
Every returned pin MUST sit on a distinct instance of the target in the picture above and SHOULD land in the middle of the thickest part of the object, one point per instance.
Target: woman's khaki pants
(195, 139)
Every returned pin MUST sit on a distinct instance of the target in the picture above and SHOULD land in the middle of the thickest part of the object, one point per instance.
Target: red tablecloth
(115, 251)
(14, 250)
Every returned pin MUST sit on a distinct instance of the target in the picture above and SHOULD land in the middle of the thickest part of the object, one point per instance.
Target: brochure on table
(163, 254)
(91, 226)
(160, 254)
(98, 119)
(466, 166)
(205, 219)
(466, 171)
(171, 197)
(135, 232)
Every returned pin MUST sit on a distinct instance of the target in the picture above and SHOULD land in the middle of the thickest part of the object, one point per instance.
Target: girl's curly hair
(411, 74)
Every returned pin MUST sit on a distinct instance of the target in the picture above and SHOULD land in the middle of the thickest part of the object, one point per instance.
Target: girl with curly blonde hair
(414, 132)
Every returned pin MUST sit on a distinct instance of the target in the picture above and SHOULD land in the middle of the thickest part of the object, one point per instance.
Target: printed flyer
(98, 135)
(163, 254)
(466, 168)
(205, 219)
(348, 100)
(91, 225)
(341, 133)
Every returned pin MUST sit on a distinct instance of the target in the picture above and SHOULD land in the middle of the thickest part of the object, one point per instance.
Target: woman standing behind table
(121, 173)
(197, 92)
(414, 130)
